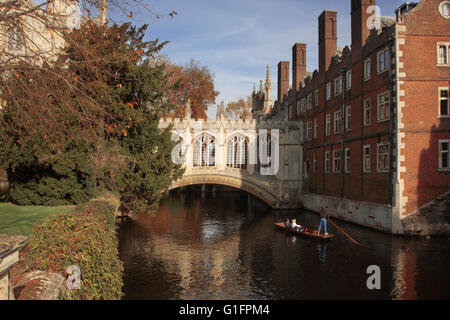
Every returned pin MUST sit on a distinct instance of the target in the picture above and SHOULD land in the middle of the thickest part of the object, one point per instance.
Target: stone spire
(188, 110)
(267, 92)
(220, 115)
(261, 86)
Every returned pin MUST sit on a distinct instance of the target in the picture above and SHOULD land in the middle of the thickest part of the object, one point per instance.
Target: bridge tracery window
(204, 151)
(237, 152)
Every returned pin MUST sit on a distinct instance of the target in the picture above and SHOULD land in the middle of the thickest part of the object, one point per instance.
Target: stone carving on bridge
(275, 186)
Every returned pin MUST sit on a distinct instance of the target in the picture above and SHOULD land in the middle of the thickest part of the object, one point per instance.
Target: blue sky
(236, 39)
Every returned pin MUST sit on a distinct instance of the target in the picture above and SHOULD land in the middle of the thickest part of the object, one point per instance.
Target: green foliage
(89, 123)
(86, 238)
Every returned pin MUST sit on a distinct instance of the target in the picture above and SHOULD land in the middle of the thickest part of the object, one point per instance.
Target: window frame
(367, 62)
(309, 102)
(438, 55)
(440, 89)
(369, 156)
(303, 105)
(337, 160)
(385, 61)
(328, 124)
(316, 129)
(348, 79)
(309, 131)
(328, 89)
(338, 82)
(440, 152)
(337, 121)
(387, 153)
(316, 98)
(348, 118)
(379, 96)
(369, 108)
(347, 160)
(327, 162)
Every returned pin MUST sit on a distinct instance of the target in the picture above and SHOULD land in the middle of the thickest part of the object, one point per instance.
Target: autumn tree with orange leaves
(239, 109)
(193, 82)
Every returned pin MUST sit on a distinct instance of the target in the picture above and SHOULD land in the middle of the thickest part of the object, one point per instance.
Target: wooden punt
(305, 233)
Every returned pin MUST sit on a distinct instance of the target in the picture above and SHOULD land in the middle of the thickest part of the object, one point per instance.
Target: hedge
(87, 238)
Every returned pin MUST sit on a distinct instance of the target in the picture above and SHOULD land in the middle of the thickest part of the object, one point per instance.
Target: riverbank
(84, 239)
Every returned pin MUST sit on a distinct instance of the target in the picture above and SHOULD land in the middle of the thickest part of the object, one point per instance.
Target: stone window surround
(327, 162)
(366, 76)
(366, 169)
(387, 106)
(386, 153)
(439, 102)
(367, 107)
(440, 152)
(438, 46)
(337, 165)
(386, 68)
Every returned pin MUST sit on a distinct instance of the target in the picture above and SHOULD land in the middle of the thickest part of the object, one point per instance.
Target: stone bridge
(260, 157)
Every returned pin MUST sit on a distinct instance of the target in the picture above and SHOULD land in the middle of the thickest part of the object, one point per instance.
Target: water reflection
(322, 251)
(224, 246)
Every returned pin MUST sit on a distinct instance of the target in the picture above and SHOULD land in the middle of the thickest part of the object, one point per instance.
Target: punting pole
(356, 242)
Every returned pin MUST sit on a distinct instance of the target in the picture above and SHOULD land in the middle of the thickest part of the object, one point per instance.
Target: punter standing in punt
(323, 219)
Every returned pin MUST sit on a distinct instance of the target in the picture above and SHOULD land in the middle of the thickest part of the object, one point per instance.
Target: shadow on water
(223, 245)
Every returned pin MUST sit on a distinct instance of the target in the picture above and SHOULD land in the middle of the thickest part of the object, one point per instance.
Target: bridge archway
(259, 192)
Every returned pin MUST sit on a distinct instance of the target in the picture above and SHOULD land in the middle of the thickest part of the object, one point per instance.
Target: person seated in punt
(288, 224)
(296, 226)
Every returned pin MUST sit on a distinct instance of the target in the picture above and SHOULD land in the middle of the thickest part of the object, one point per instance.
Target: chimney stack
(327, 39)
(360, 27)
(298, 65)
(283, 80)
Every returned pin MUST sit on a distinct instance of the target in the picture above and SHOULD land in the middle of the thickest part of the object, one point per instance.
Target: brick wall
(423, 28)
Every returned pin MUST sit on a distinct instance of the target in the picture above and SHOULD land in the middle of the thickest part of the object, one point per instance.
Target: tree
(34, 32)
(190, 82)
(89, 122)
(239, 109)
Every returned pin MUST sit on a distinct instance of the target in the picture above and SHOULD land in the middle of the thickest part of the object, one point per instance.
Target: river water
(223, 245)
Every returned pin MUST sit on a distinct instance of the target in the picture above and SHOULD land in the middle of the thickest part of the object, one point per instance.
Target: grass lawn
(19, 220)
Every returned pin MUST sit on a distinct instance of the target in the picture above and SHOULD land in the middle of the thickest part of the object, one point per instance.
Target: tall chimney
(298, 65)
(360, 27)
(327, 39)
(283, 79)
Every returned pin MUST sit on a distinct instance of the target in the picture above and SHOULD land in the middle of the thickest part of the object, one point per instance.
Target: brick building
(376, 117)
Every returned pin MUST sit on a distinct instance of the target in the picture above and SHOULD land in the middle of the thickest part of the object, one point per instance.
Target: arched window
(237, 152)
(11, 39)
(15, 39)
(204, 151)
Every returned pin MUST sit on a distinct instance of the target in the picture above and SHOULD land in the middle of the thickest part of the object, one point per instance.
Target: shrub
(86, 238)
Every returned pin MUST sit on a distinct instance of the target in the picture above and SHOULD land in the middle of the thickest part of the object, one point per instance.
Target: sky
(237, 39)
